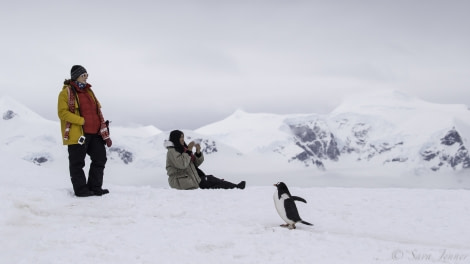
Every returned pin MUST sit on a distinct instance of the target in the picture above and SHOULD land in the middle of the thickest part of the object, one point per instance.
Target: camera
(81, 140)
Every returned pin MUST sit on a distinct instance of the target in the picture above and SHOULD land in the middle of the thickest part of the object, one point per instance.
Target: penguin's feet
(291, 226)
(241, 185)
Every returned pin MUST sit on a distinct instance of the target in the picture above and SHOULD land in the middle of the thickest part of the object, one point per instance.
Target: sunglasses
(85, 75)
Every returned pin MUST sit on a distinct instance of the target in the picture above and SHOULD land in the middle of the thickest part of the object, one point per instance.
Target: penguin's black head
(282, 188)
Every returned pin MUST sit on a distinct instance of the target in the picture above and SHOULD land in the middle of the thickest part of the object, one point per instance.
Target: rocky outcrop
(449, 152)
(318, 144)
(316, 141)
(9, 115)
(125, 155)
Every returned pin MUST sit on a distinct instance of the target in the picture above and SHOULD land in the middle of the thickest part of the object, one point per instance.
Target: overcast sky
(185, 64)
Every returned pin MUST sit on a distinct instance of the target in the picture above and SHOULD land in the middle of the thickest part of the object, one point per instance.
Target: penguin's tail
(305, 223)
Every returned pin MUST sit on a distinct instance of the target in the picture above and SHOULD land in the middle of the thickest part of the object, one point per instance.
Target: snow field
(160, 225)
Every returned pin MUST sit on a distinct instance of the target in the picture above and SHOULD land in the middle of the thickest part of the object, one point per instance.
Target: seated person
(182, 166)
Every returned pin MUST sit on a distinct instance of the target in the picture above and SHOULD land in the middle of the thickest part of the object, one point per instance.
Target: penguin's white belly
(281, 210)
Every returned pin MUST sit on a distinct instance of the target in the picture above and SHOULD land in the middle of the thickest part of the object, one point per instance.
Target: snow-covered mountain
(383, 129)
(386, 135)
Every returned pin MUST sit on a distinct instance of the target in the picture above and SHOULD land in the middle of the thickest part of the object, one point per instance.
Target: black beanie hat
(76, 71)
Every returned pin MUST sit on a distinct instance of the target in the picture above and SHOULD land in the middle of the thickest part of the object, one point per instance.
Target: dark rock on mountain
(316, 141)
(126, 156)
(451, 138)
(40, 160)
(208, 146)
(8, 115)
(429, 155)
(449, 152)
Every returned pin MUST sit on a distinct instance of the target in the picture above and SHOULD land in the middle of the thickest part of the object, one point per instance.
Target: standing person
(182, 166)
(84, 131)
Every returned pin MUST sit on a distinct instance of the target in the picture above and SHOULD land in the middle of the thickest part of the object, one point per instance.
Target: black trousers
(212, 182)
(94, 147)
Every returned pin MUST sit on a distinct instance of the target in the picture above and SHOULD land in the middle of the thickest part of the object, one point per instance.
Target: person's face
(182, 140)
(82, 78)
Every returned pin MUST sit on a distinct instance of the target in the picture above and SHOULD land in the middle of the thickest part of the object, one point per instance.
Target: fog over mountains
(380, 139)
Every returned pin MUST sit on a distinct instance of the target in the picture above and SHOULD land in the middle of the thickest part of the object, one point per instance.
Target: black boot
(241, 185)
(84, 193)
(100, 192)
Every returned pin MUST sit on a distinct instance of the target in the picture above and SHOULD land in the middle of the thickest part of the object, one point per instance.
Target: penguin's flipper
(297, 198)
(291, 210)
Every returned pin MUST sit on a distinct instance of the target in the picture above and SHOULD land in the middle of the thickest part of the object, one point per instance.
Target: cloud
(151, 61)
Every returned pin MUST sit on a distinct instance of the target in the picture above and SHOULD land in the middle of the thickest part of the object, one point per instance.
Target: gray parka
(182, 173)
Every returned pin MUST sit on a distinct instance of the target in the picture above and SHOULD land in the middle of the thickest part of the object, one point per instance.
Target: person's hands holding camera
(198, 148)
(191, 146)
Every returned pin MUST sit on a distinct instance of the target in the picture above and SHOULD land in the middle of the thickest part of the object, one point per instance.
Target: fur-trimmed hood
(168, 144)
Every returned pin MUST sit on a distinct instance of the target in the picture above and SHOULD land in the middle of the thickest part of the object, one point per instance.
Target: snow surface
(412, 219)
(42, 222)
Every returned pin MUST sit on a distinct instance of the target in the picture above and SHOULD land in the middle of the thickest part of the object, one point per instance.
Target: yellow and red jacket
(74, 119)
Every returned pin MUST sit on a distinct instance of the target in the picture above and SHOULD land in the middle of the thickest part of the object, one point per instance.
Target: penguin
(285, 206)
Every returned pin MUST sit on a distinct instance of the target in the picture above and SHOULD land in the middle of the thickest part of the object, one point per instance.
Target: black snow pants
(212, 182)
(94, 147)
